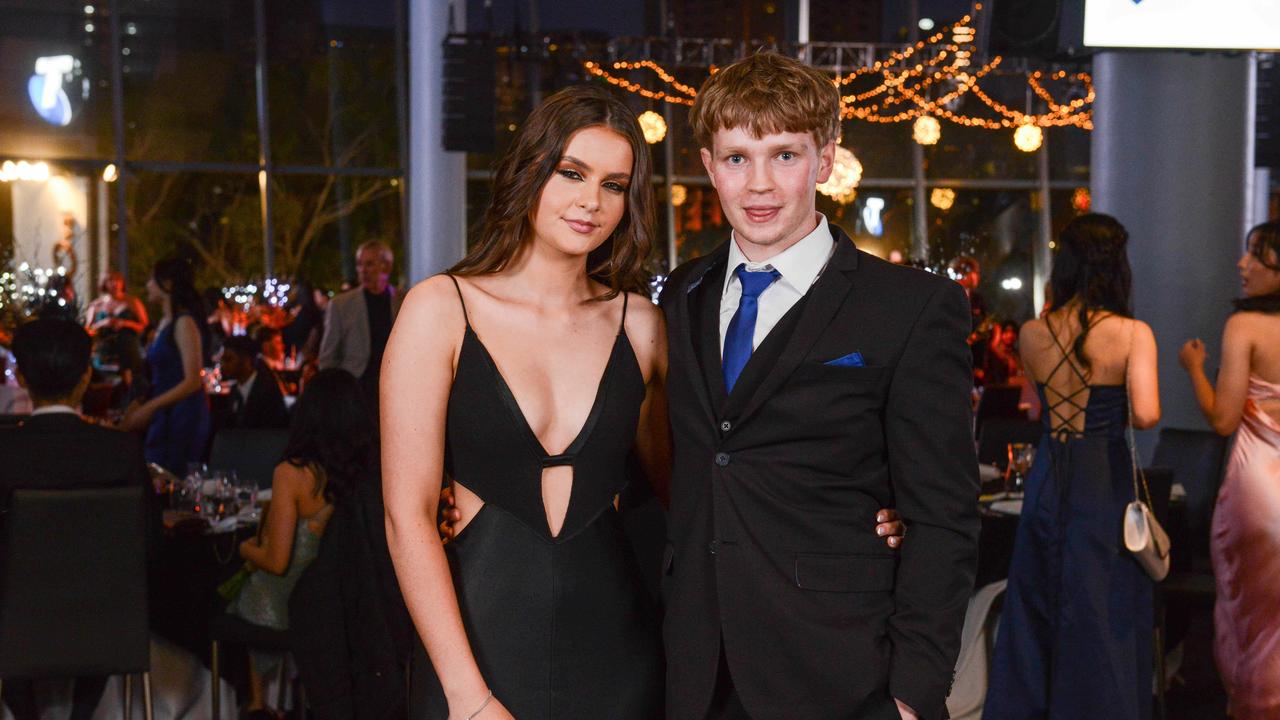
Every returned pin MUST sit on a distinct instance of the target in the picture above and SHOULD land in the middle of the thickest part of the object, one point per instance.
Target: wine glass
(1021, 457)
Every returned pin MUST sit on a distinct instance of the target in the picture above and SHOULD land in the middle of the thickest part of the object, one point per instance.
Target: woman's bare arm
(1223, 407)
(417, 376)
(187, 336)
(273, 553)
(1143, 377)
(648, 334)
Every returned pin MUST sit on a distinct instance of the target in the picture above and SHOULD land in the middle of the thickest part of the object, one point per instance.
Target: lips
(762, 214)
(581, 226)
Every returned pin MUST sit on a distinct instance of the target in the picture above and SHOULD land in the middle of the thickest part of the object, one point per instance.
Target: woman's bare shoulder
(429, 305)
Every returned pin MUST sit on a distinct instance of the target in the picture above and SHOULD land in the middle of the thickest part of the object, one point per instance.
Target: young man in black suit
(55, 448)
(256, 400)
(810, 384)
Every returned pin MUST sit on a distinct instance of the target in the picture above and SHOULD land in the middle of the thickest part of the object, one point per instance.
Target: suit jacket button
(712, 546)
(722, 459)
(726, 426)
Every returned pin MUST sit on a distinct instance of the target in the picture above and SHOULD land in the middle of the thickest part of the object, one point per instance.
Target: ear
(705, 154)
(826, 161)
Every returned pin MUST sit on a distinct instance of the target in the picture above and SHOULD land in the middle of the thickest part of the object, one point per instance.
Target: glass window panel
(214, 219)
(188, 80)
(332, 83)
(321, 219)
(997, 228)
(57, 80)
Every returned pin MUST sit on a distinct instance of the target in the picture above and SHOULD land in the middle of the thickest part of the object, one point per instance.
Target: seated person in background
(270, 346)
(331, 451)
(256, 399)
(54, 448)
(1002, 365)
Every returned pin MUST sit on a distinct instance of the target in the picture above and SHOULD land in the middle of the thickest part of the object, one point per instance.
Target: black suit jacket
(265, 406)
(59, 450)
(772, 550)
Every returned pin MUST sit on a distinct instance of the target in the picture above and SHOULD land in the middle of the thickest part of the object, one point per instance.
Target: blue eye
(735, 159)
(787, 155)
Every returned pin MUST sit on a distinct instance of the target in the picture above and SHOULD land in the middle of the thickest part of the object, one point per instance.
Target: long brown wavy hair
(530, 161)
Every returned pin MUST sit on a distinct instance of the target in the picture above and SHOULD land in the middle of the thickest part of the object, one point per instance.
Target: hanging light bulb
(653, 126)
(110, 173)
(926, 130)
(679, 194)
(846, 173)
(943, 198)
(1028, 137)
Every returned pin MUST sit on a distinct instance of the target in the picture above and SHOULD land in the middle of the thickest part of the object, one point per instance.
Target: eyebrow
(611, 176)
(772, 149)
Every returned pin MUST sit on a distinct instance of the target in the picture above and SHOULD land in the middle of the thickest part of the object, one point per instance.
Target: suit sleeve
(332, 338)
(934, 472)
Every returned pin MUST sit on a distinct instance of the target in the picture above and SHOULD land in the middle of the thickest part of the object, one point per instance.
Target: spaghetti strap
(622, 326)
(466, 316)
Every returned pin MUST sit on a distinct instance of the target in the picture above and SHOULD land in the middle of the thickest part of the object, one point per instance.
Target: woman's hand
(889, 527)
(137, 416)
(1192, 355)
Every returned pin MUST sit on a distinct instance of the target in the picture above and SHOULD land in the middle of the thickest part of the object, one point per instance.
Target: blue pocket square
(853, 359)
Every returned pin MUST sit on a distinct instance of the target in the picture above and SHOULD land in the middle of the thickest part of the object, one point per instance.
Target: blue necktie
(742, 328)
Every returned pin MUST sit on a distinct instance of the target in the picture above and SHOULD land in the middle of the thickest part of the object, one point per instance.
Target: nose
(761, 179)
(1244, 261)
(589, 198)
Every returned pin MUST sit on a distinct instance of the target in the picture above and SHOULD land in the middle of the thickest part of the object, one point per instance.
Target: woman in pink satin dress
(1246, 521)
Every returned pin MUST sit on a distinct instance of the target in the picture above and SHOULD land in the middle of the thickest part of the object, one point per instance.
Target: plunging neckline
(521, 420)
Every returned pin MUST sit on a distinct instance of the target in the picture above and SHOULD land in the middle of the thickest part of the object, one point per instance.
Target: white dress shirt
(799, 267)
(245, 388)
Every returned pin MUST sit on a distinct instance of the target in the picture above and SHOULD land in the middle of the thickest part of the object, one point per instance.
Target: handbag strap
(1139, 477)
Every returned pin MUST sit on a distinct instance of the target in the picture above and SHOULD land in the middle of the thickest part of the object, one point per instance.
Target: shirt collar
(52, 409)
(799, 265)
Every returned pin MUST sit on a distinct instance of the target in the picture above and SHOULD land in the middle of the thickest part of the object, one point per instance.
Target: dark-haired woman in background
(1245, 542)
(332, 448)
(1075, 634)
(176, 416)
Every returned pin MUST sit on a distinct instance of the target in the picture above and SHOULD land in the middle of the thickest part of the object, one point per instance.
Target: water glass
(1021, 457)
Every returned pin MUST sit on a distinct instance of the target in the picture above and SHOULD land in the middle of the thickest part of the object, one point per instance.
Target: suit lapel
(820, 306)
(700, 300)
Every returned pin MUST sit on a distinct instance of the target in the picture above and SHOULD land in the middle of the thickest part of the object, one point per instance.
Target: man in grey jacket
(358, 322)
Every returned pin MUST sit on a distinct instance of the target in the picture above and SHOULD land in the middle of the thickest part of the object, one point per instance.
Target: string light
(653, 126)
(110, 173)
(901, 84)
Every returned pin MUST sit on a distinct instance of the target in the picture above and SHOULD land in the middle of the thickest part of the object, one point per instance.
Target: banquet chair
(226, 629)
(1196, 457)
(252, 453)
(73, 587)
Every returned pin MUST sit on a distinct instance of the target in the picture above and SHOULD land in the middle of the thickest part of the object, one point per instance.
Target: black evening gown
(561, 626)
